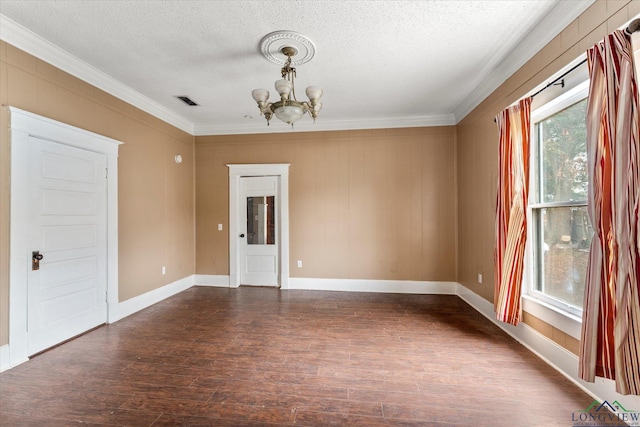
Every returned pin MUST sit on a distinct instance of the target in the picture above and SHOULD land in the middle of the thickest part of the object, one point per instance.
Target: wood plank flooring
(264, 357)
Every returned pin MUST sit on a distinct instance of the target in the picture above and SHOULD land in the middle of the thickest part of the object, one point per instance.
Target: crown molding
(305, 125)
(562, 14)
(28, 41)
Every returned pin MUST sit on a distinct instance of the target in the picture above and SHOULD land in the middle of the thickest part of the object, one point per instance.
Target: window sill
(561, 320)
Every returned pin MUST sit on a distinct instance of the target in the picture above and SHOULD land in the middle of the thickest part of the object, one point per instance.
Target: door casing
(24, 125)
(281, 171)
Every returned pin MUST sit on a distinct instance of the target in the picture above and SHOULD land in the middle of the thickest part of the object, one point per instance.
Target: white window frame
(561, 315)
(567, 322)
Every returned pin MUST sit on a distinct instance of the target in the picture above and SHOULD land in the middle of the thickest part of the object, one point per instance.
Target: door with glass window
(258, 242)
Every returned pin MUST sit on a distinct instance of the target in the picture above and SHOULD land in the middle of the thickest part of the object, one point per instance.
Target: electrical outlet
(164, 270)
(219, 227)
(299, 264)
(479, 278)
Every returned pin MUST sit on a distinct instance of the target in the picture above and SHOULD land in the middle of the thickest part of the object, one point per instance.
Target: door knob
(36, 256)
(242, 235)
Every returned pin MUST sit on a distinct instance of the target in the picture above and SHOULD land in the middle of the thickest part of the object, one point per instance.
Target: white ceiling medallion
(271, 47)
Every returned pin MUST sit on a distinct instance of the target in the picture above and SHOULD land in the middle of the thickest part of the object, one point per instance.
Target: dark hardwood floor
(260, 356)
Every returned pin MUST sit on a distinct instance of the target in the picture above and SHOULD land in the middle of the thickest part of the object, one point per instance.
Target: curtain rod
(560, 78)
(556, 80)
(634, 26)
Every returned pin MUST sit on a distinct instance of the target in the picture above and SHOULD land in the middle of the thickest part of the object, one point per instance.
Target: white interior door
(66, 295)
(259, 231)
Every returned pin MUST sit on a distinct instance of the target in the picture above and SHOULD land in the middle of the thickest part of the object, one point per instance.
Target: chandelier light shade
(288, 109)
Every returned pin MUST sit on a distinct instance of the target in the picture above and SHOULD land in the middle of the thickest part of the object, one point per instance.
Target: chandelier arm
(308, 108)
(293, 89)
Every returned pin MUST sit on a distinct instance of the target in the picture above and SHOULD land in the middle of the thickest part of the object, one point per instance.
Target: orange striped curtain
(511, 210)
(610, 344)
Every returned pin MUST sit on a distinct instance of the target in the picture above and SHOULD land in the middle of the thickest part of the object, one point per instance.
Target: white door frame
(22, 126)
(280, 170)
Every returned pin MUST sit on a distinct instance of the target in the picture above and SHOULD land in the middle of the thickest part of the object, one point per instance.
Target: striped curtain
(511, 219)
(610, 343)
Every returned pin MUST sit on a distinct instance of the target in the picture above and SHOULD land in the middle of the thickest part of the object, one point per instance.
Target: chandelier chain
(289, 73)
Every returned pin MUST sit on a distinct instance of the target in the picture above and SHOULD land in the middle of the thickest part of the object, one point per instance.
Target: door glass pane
(261, 224)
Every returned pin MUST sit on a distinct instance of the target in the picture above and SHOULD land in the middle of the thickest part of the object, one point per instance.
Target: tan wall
(364, 204)
(375, 204)
(478, 145)
(156, 213)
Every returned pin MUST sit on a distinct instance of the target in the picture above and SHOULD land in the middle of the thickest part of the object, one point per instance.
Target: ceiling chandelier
(288, 109)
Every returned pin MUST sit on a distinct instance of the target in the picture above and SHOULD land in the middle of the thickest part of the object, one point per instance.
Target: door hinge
(106, 173)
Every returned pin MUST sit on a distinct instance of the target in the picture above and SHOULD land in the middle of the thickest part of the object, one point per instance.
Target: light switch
(219, 227)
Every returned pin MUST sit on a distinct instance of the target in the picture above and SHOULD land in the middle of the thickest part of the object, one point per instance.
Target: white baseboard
(135, 304)
(380, 286)
(552, 353)
(211, 280)
(4, 358)
(347, 285)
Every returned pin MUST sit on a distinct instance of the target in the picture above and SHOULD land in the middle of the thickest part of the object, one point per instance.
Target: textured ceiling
(381, 63)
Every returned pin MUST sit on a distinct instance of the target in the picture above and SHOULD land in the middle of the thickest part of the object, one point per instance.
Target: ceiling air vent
(186, 100)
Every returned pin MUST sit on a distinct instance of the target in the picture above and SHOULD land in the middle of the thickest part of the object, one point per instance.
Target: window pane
(563, 150)
(564, 238)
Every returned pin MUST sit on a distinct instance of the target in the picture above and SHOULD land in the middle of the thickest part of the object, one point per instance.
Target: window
(560, 229)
